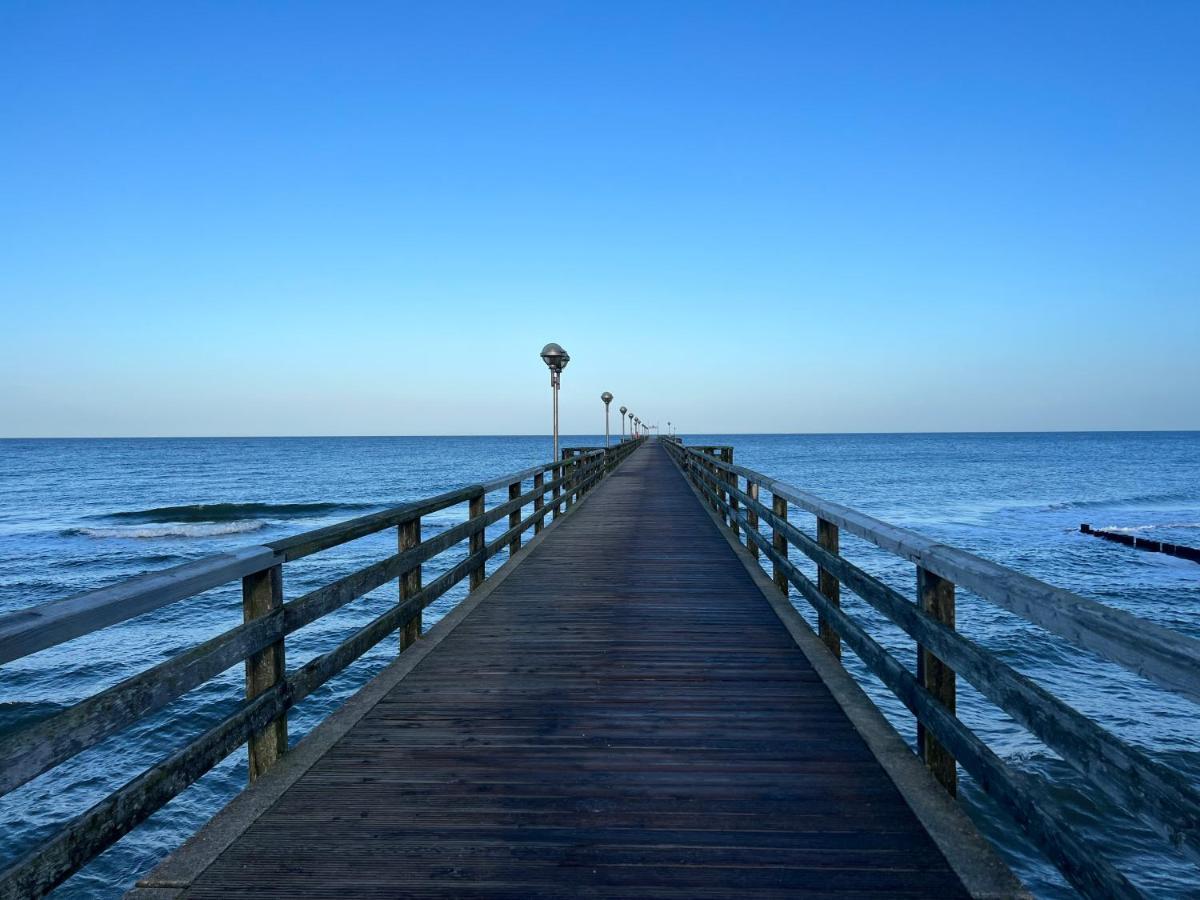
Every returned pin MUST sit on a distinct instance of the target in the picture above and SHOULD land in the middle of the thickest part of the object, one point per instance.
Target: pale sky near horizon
(320, 218)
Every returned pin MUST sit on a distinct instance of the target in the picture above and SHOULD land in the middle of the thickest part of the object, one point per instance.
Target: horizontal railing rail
(1137, 783)
(36, 749)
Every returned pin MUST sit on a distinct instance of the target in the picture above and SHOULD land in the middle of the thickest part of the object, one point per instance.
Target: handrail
(1137, 783)
(39, 747)
(1164, 656)
(27, 631)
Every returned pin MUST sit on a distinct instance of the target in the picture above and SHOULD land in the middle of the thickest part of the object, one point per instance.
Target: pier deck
(623, 715)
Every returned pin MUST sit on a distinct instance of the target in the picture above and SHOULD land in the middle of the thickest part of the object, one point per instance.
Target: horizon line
(225, 437)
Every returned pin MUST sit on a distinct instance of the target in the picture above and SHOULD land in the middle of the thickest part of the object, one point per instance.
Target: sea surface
(80, 514)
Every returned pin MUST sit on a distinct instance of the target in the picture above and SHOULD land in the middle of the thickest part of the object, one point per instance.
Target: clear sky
(353, 218)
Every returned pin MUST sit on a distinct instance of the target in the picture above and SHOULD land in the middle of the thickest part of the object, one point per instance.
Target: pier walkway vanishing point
(624, 715)
(628, 707)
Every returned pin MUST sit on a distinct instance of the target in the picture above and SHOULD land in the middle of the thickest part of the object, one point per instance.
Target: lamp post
(607, 398)
(556, 358)
(623, 411)
(631, 426)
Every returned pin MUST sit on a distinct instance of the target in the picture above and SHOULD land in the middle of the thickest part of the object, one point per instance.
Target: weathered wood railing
(270, 689)
(1131, 778)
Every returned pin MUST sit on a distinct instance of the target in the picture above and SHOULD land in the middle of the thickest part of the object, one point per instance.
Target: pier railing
(271, 690)
(1136, 783)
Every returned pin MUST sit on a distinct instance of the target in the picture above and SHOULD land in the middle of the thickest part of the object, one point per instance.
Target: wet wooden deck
(625, 715)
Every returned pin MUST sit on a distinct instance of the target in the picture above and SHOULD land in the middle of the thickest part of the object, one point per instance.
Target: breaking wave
(234, 512)
(179, 530)
(1137, 529)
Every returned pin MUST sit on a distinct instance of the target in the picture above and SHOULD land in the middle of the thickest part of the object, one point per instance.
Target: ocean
(80, 514)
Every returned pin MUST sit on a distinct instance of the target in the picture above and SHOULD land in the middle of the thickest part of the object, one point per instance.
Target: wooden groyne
(1141, 543)
(628, 706)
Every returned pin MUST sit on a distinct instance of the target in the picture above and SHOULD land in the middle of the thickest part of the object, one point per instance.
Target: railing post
(571, 466)
(539, 481)
(556, 474)
(779, 542)
(262, 594)
(752, 518)
(731, 479)
(514, 518)
(728, 478)
(410, 581)
(478, 539)
(936, 597)
(828, 585)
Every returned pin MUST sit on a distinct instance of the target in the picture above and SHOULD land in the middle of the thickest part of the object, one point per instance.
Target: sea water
(80, 514)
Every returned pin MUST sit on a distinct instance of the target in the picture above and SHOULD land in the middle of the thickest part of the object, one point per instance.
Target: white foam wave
(1137, 529)
(180, 530)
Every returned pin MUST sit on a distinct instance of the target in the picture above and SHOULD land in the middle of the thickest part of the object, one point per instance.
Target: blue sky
(298, 218)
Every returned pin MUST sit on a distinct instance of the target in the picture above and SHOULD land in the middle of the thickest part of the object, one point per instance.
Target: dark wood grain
(624, 716)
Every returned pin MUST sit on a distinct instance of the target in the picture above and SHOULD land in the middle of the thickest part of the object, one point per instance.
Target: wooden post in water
(514, 518)
(779, 542)
(752, 517)
(936, 596)
(410, 581)
(827, 584)
(478, 539)
(262, 594)
(539, 481)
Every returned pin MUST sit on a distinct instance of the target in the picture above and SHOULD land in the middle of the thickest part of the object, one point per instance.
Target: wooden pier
(629, 706)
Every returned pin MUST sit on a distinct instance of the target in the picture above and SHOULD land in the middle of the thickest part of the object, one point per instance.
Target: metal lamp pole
(556, 358)
(607, 398)
(623, 411)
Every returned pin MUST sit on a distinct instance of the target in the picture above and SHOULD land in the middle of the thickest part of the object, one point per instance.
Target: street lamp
(556, 358)
(607, 398)
(623, 411)
(631, 417)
